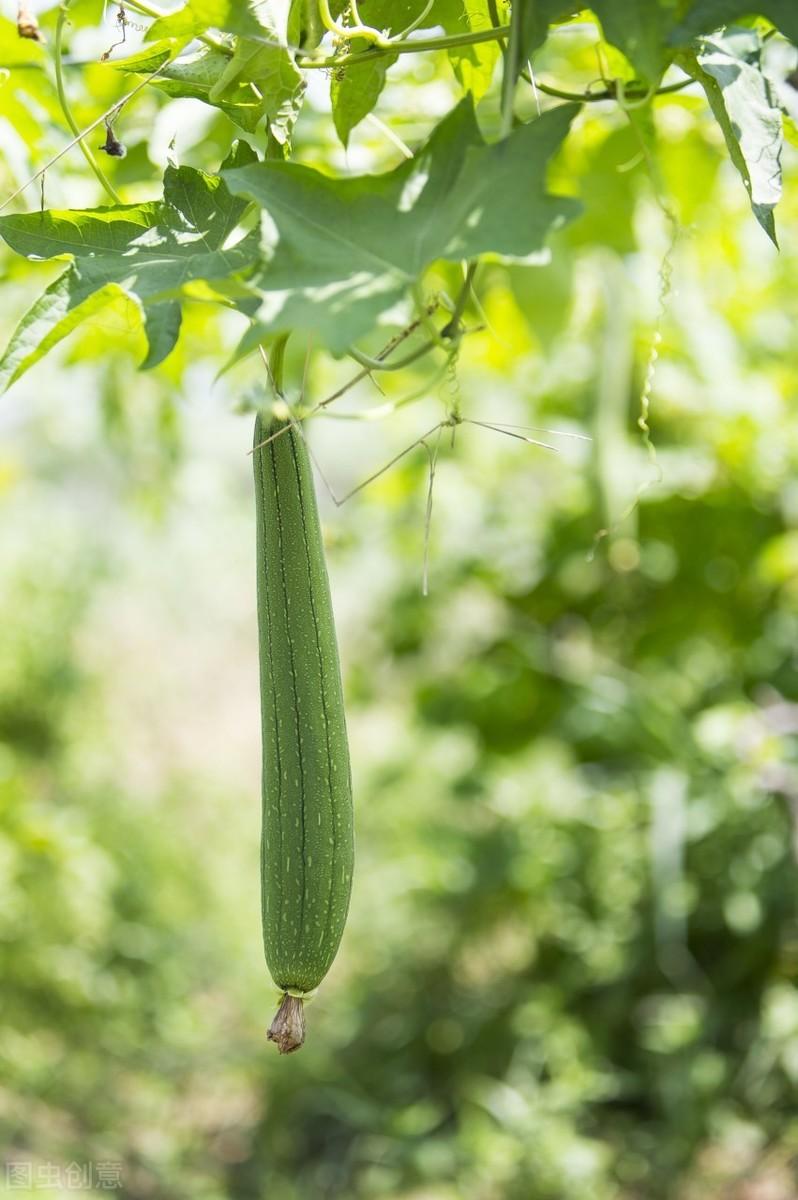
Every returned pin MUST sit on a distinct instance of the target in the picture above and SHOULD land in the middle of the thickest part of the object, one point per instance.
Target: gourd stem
(276, 363)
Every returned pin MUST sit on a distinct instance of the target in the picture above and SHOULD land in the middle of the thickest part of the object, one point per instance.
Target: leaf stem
(512, 66)
(67, 111)
(452, 328)
(475, 37)
(378, 364)
(409, 46)
(146, 10)
(422, 16)
(386, 351)
(436, 336)
(605, 94)
(348, 32)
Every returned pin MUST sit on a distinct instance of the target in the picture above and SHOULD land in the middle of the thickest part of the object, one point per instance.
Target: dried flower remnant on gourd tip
(287, 1029)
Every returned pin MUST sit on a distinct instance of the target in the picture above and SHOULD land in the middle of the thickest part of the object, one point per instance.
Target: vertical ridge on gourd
(307, 846)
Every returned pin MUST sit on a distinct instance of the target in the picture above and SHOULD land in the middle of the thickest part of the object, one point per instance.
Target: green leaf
(705, 16)
(473, 65)
(544, 295)
(638, 29)
(63, 307)
(258, 80)
(268, 72)
(264, 65)
(340, 252)
(728, 69)
(198, 16)
(607, 172)
(149, 253)
(355, 89)
(162, 322)
(196, 76)
(394, 16)
(28, 99)
(151, 58)
(304, 27)
(536, 20)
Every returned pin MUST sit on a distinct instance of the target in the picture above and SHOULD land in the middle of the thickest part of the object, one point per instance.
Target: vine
(67, 111)
(254, 66)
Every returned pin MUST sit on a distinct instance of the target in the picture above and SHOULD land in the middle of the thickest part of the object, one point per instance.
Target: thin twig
(386, 351)
(390, 134)
(433, 462)
(84, 133)
(273, 437)
(582, 437)
(509, 433)
(390, 464)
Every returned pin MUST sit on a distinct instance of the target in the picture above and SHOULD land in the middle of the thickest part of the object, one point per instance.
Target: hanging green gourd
(307, 846)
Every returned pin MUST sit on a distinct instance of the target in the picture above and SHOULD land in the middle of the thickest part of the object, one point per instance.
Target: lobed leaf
(198, 16)
(706, 16)
(728, 68)
(339, 252)
(537, 18)
(197, 75)
(271, 83)
(150, 253)
(473, 66)
(257, 80)
(28, 99)
(637, 28)
(355, 89)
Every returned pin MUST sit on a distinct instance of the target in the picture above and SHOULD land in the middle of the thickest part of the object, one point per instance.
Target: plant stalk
(67, 111)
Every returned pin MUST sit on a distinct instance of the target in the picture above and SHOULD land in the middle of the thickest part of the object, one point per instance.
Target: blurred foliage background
(571, 960)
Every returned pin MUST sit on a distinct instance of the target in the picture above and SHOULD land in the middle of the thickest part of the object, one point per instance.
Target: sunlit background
(570, 965)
